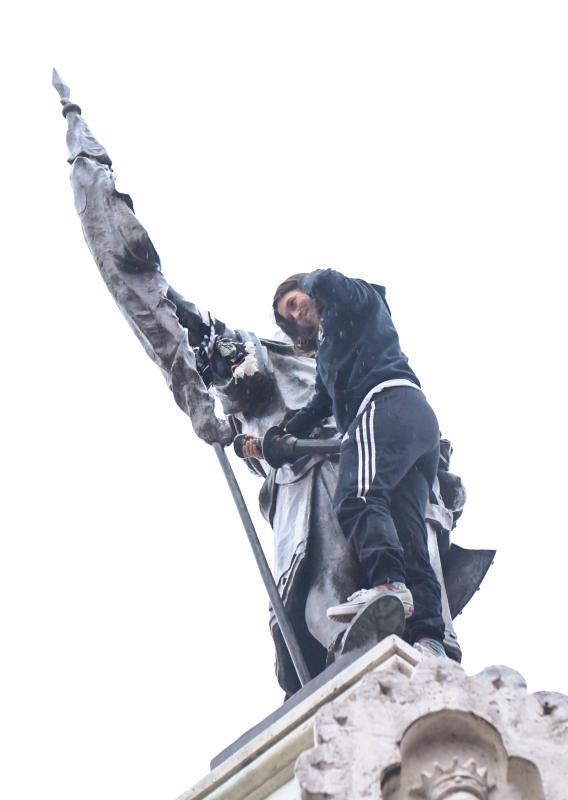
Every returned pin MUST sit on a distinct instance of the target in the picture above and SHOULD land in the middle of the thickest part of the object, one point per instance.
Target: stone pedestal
(390, 726)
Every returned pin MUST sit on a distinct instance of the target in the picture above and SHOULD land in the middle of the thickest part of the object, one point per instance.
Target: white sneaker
(357, 600)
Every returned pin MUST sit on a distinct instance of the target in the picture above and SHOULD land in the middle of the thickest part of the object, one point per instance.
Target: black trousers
(387, 465)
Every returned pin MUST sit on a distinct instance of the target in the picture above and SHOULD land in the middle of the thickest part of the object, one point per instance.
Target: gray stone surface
(437, 734)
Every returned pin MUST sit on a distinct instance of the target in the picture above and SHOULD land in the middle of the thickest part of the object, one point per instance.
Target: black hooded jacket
(358, 348)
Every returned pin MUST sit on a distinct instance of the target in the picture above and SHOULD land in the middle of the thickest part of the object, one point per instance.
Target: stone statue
(260, 383)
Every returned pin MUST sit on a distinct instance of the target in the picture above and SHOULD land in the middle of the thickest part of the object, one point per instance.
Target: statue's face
(232, 360)
(301, 310)
(241, 375)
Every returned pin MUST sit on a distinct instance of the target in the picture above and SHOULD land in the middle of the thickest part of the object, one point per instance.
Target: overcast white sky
(421, 145)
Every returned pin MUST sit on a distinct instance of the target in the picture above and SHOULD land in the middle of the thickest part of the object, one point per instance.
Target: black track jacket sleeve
(306, 419)
(358, 347)
(327, 286)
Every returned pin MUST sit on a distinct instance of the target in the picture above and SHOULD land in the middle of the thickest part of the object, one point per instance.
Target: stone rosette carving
(439, 734)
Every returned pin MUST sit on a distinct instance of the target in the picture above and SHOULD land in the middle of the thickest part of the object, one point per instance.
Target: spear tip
(62, 89)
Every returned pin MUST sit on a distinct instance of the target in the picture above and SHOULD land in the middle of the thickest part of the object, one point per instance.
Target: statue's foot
(431, 648)
(381, 617)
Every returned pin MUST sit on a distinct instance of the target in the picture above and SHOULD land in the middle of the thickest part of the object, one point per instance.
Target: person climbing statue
(389, 453)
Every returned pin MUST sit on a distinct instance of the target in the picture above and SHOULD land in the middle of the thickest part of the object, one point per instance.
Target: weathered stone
(439, 734)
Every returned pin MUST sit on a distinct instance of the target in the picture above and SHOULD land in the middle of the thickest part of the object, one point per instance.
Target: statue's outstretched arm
(199, 324)
(130, 267)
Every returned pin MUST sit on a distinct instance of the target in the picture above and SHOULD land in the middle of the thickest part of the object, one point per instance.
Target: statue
(260, 383)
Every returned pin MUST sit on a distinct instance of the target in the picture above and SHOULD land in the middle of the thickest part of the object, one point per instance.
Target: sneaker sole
(381, 617)
(347, 615)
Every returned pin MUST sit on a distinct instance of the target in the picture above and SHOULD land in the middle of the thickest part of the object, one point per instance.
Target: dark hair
(303, 344)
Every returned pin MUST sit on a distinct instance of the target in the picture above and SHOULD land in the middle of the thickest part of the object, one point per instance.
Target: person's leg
(408, 509)
(390, 462)
(394, 432)
(369, 528)
(367, 521)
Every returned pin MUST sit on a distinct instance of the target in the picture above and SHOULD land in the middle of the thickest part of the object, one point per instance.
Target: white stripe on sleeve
(373, 469)
(359, 461)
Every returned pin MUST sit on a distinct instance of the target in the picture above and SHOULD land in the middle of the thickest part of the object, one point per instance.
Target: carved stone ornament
(439, 734)
(456, 781)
